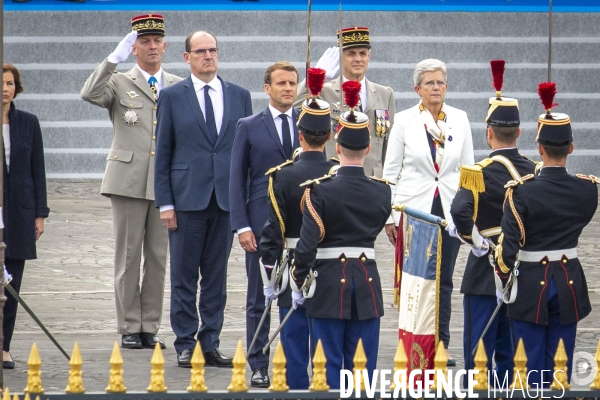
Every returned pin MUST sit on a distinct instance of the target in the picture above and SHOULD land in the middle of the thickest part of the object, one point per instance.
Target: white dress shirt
(158, 77)
(363, 92)
(216, 97)
(6, 138)
(278, 125)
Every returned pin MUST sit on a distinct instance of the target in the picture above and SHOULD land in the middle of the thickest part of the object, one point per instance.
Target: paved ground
(70, 287)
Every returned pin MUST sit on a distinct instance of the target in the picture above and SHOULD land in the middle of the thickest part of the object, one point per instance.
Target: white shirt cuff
(242, 230)
(167, 207)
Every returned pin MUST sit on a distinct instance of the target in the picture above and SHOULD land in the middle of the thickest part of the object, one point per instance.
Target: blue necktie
(286, 136)
(209, 116)
(152, 82)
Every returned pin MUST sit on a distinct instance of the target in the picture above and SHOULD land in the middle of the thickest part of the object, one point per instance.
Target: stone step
(580, 110)
(323, 23)
(462, 77)
(394, 49)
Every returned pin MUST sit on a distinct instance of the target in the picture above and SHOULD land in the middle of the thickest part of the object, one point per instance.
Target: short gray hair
(429, 65)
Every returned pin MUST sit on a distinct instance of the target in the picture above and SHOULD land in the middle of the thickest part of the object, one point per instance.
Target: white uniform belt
(350, 252)
(290, 243)
(553, 255)
(487, 233)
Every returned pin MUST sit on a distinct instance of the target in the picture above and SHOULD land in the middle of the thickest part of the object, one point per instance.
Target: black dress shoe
(184, 359)
(132, 341)
(451, 362)
(149, 340)
(217, 359)
(8, 365)
(260, 378)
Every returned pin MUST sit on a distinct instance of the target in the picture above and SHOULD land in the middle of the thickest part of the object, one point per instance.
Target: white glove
(123, 49)
(297, 299)
(269, 292)
(330, 62)
(7, 277)
(499, 297)
(451, 229)
(483, 250)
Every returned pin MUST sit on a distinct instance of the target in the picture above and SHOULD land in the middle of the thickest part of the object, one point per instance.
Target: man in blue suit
(262, 141)
(196, 126)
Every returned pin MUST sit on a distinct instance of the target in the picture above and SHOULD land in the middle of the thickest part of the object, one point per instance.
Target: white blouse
(6, 137)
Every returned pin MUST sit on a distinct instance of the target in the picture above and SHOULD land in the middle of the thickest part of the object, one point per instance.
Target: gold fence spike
(360, 362)
(238, 376)
(115, 378)
(15, 397)
(481, 365)
(279, 382)
(520, 371)
(75, 382)
(157, 374)
(197, 382)
(319, 382)
(34, 375)
(6, 395)
(400, 362)
(596, 383)
(561, 379)
(440, 362)
(27, 397)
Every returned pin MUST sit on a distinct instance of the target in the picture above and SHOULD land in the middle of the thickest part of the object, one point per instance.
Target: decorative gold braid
(501, 264)
(509, 196)
(276, 207)
(314, 214)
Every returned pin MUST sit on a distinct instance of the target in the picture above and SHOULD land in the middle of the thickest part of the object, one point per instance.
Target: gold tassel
(471, 178)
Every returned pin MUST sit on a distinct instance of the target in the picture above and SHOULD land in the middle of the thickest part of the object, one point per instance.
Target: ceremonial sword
(550, 42)
(340, 45)
(14, 293)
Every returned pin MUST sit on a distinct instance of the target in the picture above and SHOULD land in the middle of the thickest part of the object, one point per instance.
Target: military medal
(382, 122)
(130, 117)
(153, 88)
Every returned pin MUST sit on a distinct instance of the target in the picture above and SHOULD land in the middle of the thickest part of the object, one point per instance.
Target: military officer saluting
(543, 218)
(343, 214)
(282, 229)
(477, 212)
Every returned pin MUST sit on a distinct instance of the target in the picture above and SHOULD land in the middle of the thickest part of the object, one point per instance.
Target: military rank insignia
(382, 123)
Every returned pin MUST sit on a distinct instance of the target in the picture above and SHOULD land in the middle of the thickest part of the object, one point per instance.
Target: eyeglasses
(202, 52)
(431, 84)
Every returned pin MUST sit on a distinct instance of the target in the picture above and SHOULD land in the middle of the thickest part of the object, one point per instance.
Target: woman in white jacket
(427, 145)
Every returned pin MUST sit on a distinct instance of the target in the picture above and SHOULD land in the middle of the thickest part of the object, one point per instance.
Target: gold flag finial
(439, 363)
(238, 376)
(34, 375)
(360, 363)
(115, 379)
(279, 382)
(481, 367)
(561, 379)
(400, 362)
(75, 382)
(319, 383)
(520, 371)
(197, 382)
(157, 375)
(596, 384)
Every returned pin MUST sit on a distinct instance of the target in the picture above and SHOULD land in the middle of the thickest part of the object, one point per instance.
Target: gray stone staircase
(56, 52)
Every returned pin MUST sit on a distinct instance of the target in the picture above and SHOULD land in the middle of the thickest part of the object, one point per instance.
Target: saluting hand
(123, 49)
(330, 62)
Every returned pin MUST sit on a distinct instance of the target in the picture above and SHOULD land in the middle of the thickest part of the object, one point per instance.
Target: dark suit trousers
(15, 268)
(450, 247)
(255, 306)
(199, 248)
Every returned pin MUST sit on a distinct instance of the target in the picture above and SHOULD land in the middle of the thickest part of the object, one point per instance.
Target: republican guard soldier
(543, 218)
(476, 213)
(343, 214)
(282, 230)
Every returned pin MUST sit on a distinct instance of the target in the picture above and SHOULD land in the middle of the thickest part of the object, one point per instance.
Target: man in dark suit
(342, 217)
(196, 127)
(282, 230)
(261, 141)
(476, 213)
(543, 218)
